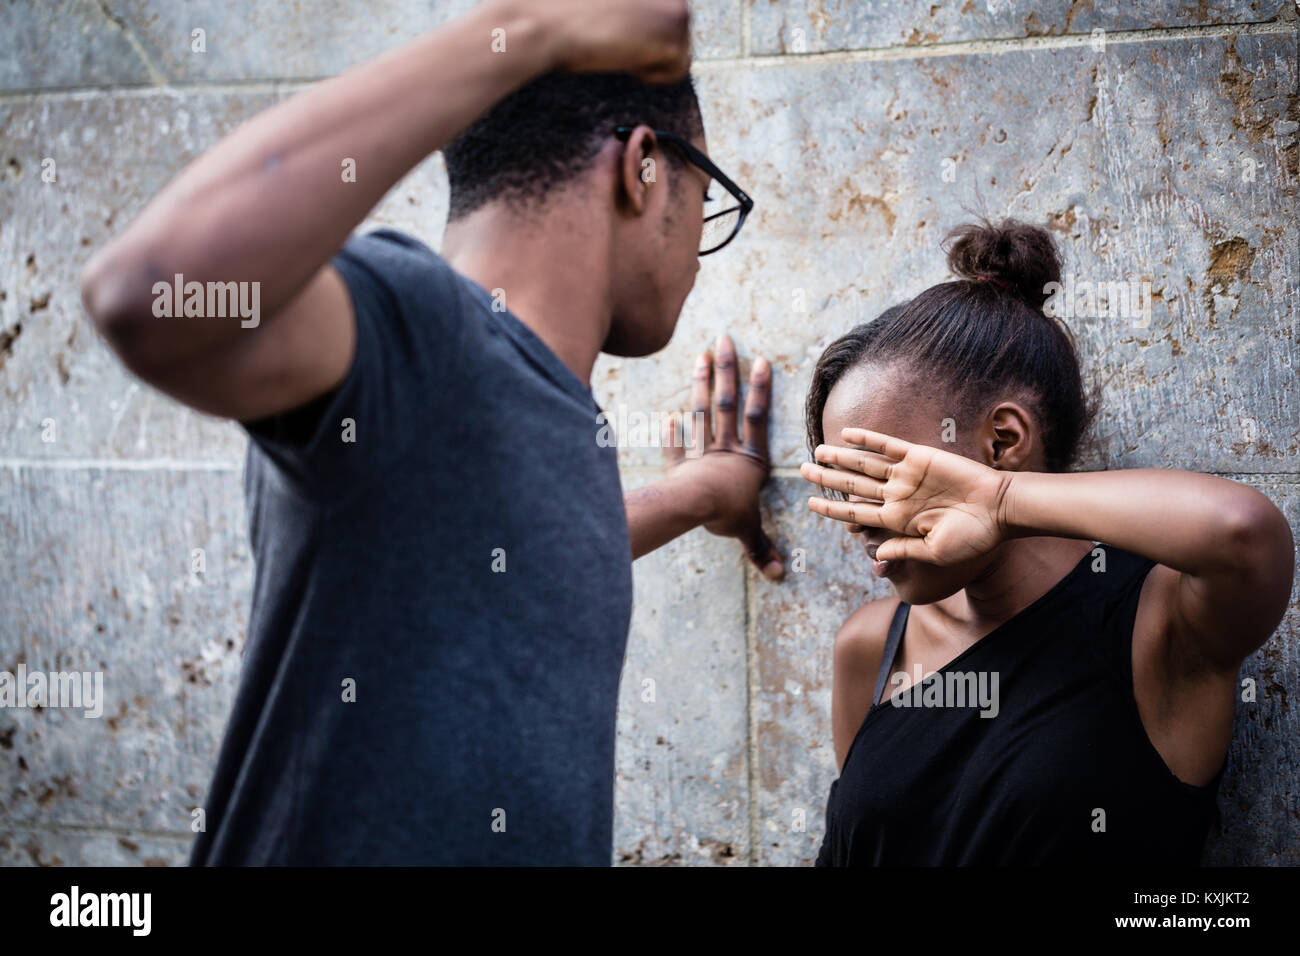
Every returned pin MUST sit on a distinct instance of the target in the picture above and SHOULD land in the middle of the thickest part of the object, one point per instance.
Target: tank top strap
(896, 627)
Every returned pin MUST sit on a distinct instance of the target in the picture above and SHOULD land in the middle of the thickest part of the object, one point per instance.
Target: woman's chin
(914, 588)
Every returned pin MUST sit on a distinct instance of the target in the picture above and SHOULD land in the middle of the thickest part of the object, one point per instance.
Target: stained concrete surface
(1163, 150)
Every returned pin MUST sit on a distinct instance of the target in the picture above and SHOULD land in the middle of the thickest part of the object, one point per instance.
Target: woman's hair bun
(1012, 256)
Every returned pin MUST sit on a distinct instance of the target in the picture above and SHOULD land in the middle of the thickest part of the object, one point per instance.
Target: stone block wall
(1157, 138)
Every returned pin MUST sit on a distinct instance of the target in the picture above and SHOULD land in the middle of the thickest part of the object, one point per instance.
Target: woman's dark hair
(981, 335)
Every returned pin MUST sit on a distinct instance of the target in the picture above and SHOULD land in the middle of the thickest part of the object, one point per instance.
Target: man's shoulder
(387, 240)
(402, 262)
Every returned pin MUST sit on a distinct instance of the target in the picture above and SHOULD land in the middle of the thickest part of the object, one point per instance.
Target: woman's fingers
(881, 444)
(863, 513)
(860, 461)
(902, 548)
(851, 483)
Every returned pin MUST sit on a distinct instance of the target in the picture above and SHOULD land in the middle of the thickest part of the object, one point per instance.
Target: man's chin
(637, 343)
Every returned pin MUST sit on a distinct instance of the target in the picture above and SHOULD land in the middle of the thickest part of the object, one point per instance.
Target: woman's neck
(1022, 571)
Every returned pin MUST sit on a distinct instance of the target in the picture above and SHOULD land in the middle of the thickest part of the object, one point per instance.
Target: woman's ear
(1009, 439)
(637, 168)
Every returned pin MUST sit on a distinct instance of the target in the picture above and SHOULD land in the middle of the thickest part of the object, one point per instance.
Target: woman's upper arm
(859, 646)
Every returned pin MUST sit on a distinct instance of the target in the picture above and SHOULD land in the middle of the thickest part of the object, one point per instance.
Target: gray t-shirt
(441, 603)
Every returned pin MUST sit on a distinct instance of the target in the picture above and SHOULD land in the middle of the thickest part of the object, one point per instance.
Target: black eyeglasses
(722, 217)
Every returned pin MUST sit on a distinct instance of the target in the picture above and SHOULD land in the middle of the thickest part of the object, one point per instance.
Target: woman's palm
(948, 501)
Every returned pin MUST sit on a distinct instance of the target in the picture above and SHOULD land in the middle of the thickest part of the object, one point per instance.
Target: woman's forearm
(1230, 544)
(1191, 522)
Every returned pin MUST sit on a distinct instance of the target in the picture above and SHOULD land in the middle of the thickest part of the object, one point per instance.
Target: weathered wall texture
(1162, 150)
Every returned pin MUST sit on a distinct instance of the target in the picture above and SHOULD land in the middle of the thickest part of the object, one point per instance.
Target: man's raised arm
(269, 205)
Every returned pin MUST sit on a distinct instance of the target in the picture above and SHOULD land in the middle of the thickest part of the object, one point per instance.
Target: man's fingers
(672, 69)
(725, 387)
(851, 483)
(757, 403)
(673, 61)
(650, 39)
(671, 440)
(761, 551)
(701, 386)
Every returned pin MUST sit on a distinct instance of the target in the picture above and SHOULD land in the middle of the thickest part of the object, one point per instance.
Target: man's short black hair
(551, 129)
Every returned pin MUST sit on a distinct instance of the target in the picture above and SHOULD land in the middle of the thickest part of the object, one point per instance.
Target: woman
(1086, 628)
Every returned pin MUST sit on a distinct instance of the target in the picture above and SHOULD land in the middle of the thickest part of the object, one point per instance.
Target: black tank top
(1063, 773)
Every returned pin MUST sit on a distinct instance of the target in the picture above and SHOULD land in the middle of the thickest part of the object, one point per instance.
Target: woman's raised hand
(943, 508)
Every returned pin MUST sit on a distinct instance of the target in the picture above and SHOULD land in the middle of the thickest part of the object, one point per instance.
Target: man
(442, 550)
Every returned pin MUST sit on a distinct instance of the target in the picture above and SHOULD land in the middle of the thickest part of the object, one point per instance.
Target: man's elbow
(119, 303)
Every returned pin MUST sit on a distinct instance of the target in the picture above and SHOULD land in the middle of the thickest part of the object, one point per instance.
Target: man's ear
(639, 168)
(1009, 438)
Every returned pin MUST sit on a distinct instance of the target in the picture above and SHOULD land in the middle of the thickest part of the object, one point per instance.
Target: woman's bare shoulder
(860, 641)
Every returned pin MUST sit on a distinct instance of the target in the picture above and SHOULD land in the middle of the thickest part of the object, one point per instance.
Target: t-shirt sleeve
(410, 328)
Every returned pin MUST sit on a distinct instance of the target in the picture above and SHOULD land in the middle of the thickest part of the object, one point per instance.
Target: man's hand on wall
(729, 463)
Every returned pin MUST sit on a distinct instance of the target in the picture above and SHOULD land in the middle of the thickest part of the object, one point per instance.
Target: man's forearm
(662, 511)
(269, 203)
